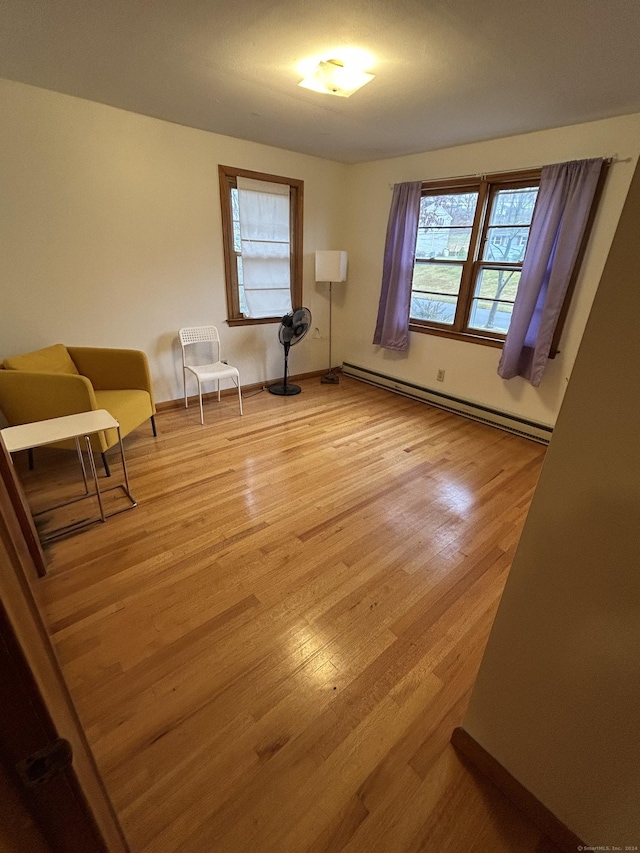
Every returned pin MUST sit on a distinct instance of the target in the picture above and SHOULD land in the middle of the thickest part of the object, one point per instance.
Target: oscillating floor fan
(293, 327)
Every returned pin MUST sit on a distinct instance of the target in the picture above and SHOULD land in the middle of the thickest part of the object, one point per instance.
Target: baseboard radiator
(519, 426)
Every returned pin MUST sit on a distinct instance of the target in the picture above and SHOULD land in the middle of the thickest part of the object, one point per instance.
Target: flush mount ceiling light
(334, 77)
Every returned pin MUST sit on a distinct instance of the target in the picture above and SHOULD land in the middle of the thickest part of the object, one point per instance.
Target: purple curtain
(392, 328)
(557, 228)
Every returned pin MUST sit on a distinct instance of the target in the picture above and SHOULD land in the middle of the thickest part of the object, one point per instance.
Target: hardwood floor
(271, 651)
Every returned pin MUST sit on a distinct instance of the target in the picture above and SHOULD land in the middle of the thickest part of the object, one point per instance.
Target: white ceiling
(447, 71)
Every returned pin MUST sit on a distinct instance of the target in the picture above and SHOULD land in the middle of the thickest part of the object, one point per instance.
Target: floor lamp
(331, 266)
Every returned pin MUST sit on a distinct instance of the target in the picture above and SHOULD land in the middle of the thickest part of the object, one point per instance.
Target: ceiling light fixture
(333, 77)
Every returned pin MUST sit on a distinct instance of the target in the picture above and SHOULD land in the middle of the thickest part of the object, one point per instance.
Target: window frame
(228, 176)
(487, 187)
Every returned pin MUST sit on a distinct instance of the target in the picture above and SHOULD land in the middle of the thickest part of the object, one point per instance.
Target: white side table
(82, 425)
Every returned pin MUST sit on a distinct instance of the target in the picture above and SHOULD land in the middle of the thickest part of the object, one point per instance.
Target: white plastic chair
(215, 370)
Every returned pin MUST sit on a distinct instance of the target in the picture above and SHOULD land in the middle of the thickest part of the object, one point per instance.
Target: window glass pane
(490, 316)
(513, 206)
(506, 244)
(437, 278)
(442, 243)
(237, 242)
(497, 284)
(435, 292)
(457, 209)
(492, 304)
(241, 297)
(242, 300)
(444, 226)
(235, 218)
(437, 309)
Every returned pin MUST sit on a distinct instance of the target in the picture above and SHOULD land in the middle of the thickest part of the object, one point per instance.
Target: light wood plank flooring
(269, 654)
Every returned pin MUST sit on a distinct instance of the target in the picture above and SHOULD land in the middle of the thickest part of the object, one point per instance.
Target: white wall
(110, 234)
(557, 699)
(470, 369)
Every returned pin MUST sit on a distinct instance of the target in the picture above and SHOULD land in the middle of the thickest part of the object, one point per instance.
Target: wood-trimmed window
(472, 237)
(239, 312)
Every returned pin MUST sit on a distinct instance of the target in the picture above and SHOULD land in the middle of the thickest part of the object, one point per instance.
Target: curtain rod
(608, 161)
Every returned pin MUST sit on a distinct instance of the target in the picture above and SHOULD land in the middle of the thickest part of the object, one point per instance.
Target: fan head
(294, 326)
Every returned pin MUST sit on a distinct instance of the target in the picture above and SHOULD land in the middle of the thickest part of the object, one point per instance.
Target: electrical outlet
(440, 376)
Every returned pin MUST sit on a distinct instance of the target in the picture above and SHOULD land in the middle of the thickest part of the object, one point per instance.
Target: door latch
(45, 763)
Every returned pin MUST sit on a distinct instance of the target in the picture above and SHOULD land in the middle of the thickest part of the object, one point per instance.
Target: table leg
(124, 464)
(92, 465)
(84, 470)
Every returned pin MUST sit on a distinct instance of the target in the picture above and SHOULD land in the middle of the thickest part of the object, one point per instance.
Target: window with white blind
(262, 234)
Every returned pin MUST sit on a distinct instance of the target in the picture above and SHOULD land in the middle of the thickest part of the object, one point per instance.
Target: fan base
(330, 378)
(287, 390)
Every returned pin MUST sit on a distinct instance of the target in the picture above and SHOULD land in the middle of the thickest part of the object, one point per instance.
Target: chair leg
(239, 396)
(200, 398)
(107, 470)
(218, 389)
(153, 425)
(30, 456)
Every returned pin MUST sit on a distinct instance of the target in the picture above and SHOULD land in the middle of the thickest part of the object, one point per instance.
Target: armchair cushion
(54, 359)
(132, 407)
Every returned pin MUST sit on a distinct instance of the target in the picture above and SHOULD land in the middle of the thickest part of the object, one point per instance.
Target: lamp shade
(331, 266)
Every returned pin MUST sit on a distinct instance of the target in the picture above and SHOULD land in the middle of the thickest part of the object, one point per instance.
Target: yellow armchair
(60, 380)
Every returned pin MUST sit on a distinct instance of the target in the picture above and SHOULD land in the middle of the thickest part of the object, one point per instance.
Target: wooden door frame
(26, 641)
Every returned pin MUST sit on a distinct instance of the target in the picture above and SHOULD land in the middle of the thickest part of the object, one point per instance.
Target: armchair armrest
(113, 369)
(26, 397)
